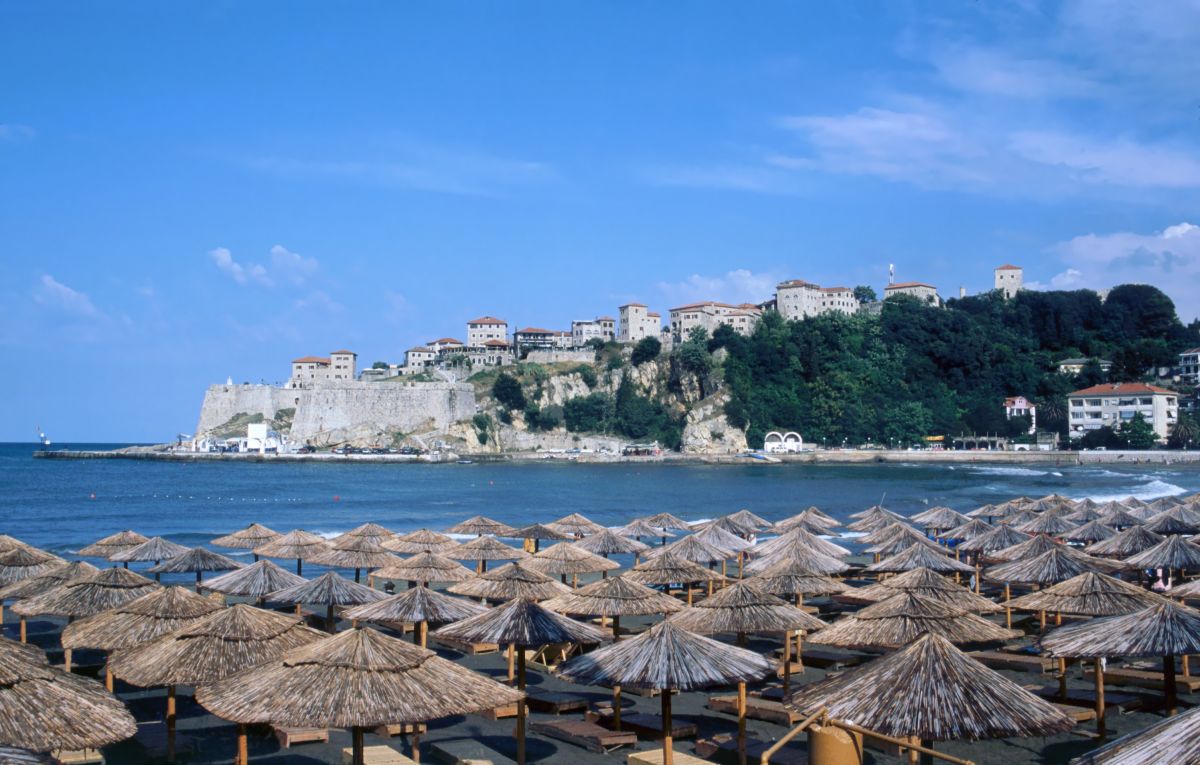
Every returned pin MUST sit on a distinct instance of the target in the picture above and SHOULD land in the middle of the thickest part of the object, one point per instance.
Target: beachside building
(1019, 406)
(603, 328)
(637, 322)
(1009, 279)
(1113, 404)
(1074, 366)
(420, 358)
(926, 293)
(1189, 366)
(797, 299)
(485, 328)
(314, 370)
(709, 315)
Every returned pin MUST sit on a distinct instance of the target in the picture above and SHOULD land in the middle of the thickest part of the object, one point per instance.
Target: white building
(485, 328)
(1075, 365)
(1009, 279)
(920, 290)
(637, 322)
(420, 358)
(1189, 366)
(1113, 404)
(709, 315)
(603, 328)
(308, 371)
(797, 299)
(1019, 406)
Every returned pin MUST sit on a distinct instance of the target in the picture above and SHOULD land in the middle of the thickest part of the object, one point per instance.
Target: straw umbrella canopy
(1088, 594)
(875, 511)
(1170, 523)
(508, 582)
(297, 543)
(1055, 565)
(1166, 629)
(210, 648)
(356, 552)
(798, 537)
(971, 529)
(485, 548)
(1090, 532)
(198, 560)
(43, 708)
(479, 526)
(791, 578)
(576, 524)
(155, 549)
(537, 533)
(928, 584)
(941, 519)
(1131, 541)
(1117, 516)
(419, 541)
(254, 535)
(84, 597)
(1030, 548)
(903, 617)
(564, 558)
(371, 531)
(254, 581)
(999, 538)
(359, 679)
(112, 544)
(745, 517)
(667, 521)
(898, 539)
(932, 691)
(667, 658)
(727, 523)
(668, 568)
(801, 556)
(22, 563)
(418, 605)
(522, 623)
(606, 543)
(918, 556)
(614, 597)
(1083, 514)
(329, 590)
(888, 531)
(1140, 511)
(36, 585)
(723, 539)
(692, 549)
(1019, 518)
(639, 528)
(807, 519)
(1174, 552)
(426, 567)
(1047, 523)
(1167, 742)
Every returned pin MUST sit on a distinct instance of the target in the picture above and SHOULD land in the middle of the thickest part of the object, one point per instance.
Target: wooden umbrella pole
(616, 625)
(329, 618)
(197, 582)
(299, 567)
(741, 562)
(1169, 682)
(243, 753)
(67, 660)
(424, 634)
(1007, 610)
(787, 662)
(416, 743)
(512, 672)
(24, 637)
(1101, 728)
(978, 575)
(741, 702)
(668, 757)
(1041, 621)
(616, 707)
(521, 707)
(357, 574)
(1062, 677)
(170, 723)
(799, 647)
(356, 743)
(914, 756)
(108, 679)
(1187, 671)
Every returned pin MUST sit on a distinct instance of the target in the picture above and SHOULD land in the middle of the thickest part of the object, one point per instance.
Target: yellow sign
(935, 438)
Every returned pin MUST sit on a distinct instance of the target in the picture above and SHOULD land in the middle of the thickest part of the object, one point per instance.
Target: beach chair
(585, 734)
(549, 656)
(79, 756)
(288, 737)
(377, 755)
(757, 708)
(655, 757)
(726, 744)
(646, 726)
(553, 702)
(466, 751)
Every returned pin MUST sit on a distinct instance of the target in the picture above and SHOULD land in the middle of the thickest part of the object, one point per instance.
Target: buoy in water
(337, 498)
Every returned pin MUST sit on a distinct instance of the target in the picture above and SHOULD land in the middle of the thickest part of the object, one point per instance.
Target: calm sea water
(62, 505)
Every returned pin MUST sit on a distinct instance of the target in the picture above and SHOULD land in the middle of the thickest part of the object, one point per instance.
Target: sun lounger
(290, 736)
(79, 756)
(1017, 662)
(655, 757)
(725, 742)
(463, 646)
(588, 735)
(756, 709)
(1078, 714)
(553, 702)
(1142, 678)
(1086, 697)
(377, 755)
(824, 658)
(399, 729)
(508, 710)
(550, 656)
(466, 751)
(644, 725)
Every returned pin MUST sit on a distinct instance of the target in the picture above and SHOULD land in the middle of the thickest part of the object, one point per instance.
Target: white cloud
(291, 266)
(997, 72)
(54, 294)
(737, 286)
(1120, 162)
(242, 274)
(285, 267)
(1168, 259)
(13, 133)
(318, 301)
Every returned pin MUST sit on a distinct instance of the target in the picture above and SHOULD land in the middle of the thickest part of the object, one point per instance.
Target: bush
(587, 374)
(647, 349)
(508, 391)
(483, 424)
(614, 363)
(587, 414)
(694, 356)
(505, 416)
(549, 417)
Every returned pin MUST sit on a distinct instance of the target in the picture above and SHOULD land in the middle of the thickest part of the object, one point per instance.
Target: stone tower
(1010, 279)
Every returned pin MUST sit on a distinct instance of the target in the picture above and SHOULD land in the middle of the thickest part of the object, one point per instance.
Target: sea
(62, 505)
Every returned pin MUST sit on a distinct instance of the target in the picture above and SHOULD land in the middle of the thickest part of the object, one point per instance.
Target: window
(1093, 402)
(1076, 402)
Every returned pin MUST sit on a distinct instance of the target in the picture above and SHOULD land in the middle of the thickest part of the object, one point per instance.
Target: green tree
(1137, 433)
(647, 349)
(549, 417)
(507, 390)
(1186, 433)
(587, 414)
(694, 355)
(483, 425)
(865, 294)
(587, 374)
(379, 365)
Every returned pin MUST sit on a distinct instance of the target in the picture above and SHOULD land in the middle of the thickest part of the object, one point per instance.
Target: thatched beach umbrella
(575, 524)
(419, 541)
(1131, 541)
(254, 535)
(791, 578)
(999, 538)
(1030, 548)
(931, 691)
(358, 679)
(522, 624)
(1057, 564)
(667, 521)
(797, 538)
(809, 519)
(1167, 742)
(905, 616)
(605, 543)
(537, 533)
(254, 581)
(426, 567)
(897, 540)
(198, 560)
(1166, 629)
(509, 582)
(613, 598)
(639, 528)
(45, 709)
(565, 559)
(22, 563)
(1089, 533)
(799, 554)
(210, 648)
(486, 548)
(668, 568)
(36, 585)
(138, 621)
(1171, 523)
(356, 552)
(747, 518)
(419, 605)
(112, 544)
(970, 530)
(1174, 552)
(1118, 516)
(919, 556)
(155, 549)
(1047, 523)
(666, 658)
(329, 589)
(479, 526)
(728, 524)
(722, 539)
(297, 543)
(928, 584)
(372, 531)
(692, 549)
(940, 519)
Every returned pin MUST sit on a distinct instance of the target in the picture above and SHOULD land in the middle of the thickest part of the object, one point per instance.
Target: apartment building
(1112, 404)
(486, 328)
(798, 299)
(314, 370)
(603, 328)
(920, 290)
(1189, 366)
(637, 322)
(709, 315)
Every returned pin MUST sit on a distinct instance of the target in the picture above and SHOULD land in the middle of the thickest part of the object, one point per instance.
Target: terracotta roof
(632, 305)
(488, 320)
(419, 350)
(702, 304)
(446, 341)
(605, 318)
(1190, 350)
(310, 360)
(900, 285)
(495, 344)
(795, 283)
(836, 289)
(533, 331)
(1008, 267)
(1120, 389)
(654, 313)
(343, 353)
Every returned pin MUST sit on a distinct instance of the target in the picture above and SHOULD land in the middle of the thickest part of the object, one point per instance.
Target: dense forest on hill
(916, 370)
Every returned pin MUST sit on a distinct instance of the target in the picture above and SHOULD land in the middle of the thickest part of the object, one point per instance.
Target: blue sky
(193, 191)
